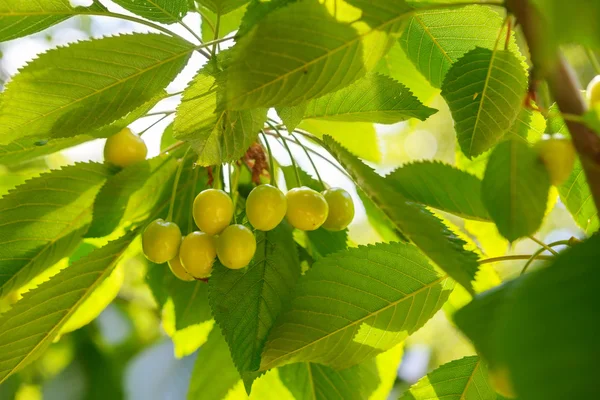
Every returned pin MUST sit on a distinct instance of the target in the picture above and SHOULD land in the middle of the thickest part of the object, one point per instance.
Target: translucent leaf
(222, 6)
(34, 321)
(513, 325)
(485, 91)
(515, 189)
(464, 379)
(246, 303)
(186, 340)
(218, 136)
(163, 11)
(71, 90)
(22, 17)
(440, 186)
(292, 116)
(387, 368)
(355, 304)
(576, 195)
(227, 24)
(427, 232)
(374, 98)
(45, 219)
(435, 39)
(315, 54)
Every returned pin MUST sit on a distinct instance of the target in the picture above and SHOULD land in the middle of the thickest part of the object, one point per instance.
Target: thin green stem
(536, 255)
(190, 30)
(191, 213)
(217, 177)
(512, 258)
(593, 59)
(152, 114)
(312, 163)
(206, 19)
(284, 142)
(154, 124)
(137, 20)
(271, 163)
(172, 147)
(217, 27)
(544, 245)
(176, 184)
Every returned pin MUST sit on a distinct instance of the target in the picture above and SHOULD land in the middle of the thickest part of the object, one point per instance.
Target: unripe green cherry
(125, 148)
(265, 207)
(307, 209)
(593, 91)
(197, 254)
(341, 209)
(236, 246)
(161, 240)
(213, 210)
(558, 155)
(501, 382)
(177, 269)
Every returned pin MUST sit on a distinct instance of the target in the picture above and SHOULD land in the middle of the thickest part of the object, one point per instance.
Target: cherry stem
(176, 184)
(512, 258)
(217, 27)
(233, 183)
(217, 177)
(284, 142)
(536, 255)
(544, 245)
(271, 163)
(191, 213)
(593, 59)
(309, 159)
(158, 121)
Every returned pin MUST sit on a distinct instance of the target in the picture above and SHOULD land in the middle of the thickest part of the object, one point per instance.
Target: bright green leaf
(576, 195)
(292, 116)
(44, 220)
(163, 11)
(227, 24)
(51, 305)
(107, 78)
(355, 304)
(485, 91)
(222, 6)
(515, 189)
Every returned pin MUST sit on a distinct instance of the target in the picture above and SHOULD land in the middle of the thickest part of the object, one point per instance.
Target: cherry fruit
(124, 149)
(197, 254)
(236, 246)
(265, 207)
(161, 240)
(341, 209)
(213, 210)
(307, 209)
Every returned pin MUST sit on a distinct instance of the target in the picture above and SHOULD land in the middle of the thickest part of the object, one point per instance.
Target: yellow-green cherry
(341, 209)
(558, 155)
(161, 240)
(197, 254)
(307, 209)
(177, 269)
(593, 92)
(236, 246)
(124, 149)
(213, 211)
(265, 207)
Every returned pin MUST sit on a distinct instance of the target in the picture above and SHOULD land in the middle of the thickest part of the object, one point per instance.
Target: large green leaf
(246, 303)
(222, 6)
(415, 222)
(355, 304)
(485, 91)
(440, 186)
(218, 136)
(315, 54)
(576, 195)
(71, 90)
(34, 321)
(374, 98)
(464, 379)
(44, 220)
(515, 189)
(435, 39)
(542, 327)
(21, 17)
(164, 11)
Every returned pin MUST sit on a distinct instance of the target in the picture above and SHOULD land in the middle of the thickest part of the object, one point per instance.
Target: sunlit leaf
(164, 11)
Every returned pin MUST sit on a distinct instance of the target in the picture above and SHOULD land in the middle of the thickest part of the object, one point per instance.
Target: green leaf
(34, 321)
(464, 379)
(485, 91)
(92, 84)
(315, 54)
(529, 125)
(440, 186)
(44, 220)
(213, 356)
(246, 303)
(227, 24)
(374, 98)
(576, 195)
(436, 39)
(515, 189)
(427, 232)
(163, 11)
(20, 18)
(292, 116)
(355, 304)
(222, 6)
(519, 325)
(217, 136)
(310, 381)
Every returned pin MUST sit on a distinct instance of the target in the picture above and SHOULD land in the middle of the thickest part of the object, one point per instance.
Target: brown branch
(549, 64)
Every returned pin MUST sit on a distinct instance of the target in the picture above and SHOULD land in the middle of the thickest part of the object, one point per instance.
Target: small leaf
(34, 321)
(484, 90)
(163, 11)
(427, 232)
(440, 186)
(464, 379)
(246, 303)
(227, 23)
(355, 304)
(222, 6)
(45, 219)
(292, 116)
(515, 189)
(101, 84)
(576, 195)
